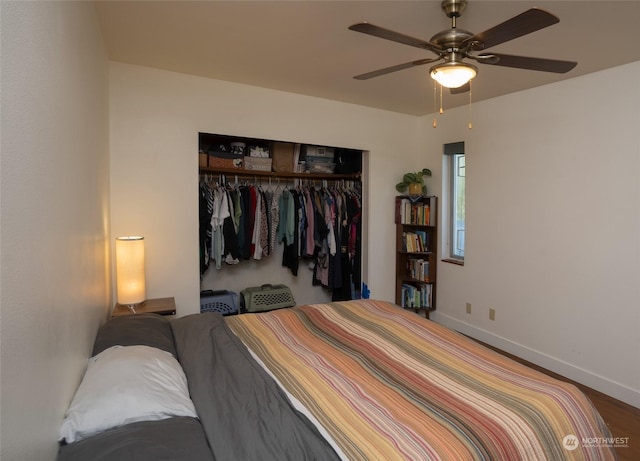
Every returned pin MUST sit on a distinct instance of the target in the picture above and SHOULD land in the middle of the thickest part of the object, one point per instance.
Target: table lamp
(130, 271)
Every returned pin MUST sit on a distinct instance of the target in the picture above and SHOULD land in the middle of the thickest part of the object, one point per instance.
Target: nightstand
(162, 306)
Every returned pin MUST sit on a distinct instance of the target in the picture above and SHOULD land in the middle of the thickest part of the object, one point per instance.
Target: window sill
(457, 262)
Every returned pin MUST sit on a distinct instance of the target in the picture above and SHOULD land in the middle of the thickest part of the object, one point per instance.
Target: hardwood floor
(622, 419)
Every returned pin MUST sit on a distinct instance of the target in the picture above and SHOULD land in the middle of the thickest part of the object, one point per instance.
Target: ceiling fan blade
(523, 24)
(523, 62)
(388, 70)
(380, 32)
(461, 89)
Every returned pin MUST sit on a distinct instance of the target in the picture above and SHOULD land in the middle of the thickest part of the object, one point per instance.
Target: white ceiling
(305, 47)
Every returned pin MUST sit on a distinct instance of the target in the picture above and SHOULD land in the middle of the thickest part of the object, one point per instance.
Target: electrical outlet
(492, 313)
(468, 308)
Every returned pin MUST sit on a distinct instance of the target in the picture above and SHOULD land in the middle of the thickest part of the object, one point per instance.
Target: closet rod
(276, 174)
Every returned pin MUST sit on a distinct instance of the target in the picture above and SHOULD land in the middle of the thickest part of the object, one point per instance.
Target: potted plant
(414, 182)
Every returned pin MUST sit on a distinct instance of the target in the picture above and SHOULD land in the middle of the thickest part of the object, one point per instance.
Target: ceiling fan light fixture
(453, 74)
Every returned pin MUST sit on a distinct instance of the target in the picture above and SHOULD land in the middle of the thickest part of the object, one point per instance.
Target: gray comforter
(174, 439)
(245, 415)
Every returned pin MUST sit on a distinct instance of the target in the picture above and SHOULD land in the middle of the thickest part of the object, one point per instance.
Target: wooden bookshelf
(416, 252)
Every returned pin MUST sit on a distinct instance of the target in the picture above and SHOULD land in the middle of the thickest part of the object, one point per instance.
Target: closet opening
(291, 214)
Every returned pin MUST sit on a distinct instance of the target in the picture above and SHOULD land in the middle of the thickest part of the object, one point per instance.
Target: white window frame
(453, 239)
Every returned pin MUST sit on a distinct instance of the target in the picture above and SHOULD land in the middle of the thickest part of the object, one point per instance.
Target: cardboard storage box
(283, 157)
(257, 164)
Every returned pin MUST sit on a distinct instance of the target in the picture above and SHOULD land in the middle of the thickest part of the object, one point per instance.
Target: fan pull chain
(435, 120)
(470, 123)
(441, 109)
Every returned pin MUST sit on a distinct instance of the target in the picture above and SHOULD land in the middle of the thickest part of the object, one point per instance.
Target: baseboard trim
(575, 373)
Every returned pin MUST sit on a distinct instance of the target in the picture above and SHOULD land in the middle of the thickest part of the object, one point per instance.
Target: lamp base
(132, 307)
(161, 306)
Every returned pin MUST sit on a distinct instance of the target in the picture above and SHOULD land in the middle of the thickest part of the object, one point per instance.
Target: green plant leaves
(410, 177)
(413, 177)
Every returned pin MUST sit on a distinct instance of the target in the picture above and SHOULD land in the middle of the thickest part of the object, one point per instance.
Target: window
(455, 162)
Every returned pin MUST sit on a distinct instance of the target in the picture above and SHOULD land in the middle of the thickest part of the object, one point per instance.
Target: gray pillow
(136, 330)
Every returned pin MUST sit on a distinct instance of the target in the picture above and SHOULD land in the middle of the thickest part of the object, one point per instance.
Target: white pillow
(123, 385)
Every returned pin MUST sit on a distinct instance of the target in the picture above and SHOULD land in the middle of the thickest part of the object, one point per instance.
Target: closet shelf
(276, 174)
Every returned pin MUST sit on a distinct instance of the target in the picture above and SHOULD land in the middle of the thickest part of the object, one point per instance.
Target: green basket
(266, 297)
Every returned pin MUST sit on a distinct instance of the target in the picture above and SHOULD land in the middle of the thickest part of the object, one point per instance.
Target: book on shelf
(416, 297)
(423, 239)
(415, 242)
(418, 269)
(414, 213)
(417, 213)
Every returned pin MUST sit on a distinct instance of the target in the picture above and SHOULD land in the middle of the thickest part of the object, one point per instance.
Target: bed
(353, 380)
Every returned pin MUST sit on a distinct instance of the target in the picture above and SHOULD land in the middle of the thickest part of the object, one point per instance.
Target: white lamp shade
(453, 75)
(130, 270)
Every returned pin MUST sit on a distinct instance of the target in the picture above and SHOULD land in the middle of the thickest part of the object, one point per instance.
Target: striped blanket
(386, 384)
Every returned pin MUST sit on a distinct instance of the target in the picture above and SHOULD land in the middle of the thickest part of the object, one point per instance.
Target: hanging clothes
(310, 246)
(205, 209)
(231, 252)
(265, 225)
(349, 247)
(220, 213)
(274, 219)
(319, 225)
(287, 229)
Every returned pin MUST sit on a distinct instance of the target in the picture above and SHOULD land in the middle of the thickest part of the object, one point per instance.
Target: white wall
(553, 227)
(155, 117)
(54, 215)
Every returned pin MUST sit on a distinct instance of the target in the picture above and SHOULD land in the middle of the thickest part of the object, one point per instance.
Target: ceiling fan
(454, 45)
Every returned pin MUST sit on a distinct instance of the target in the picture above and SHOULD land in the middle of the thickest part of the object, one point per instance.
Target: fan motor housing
(451, 38)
